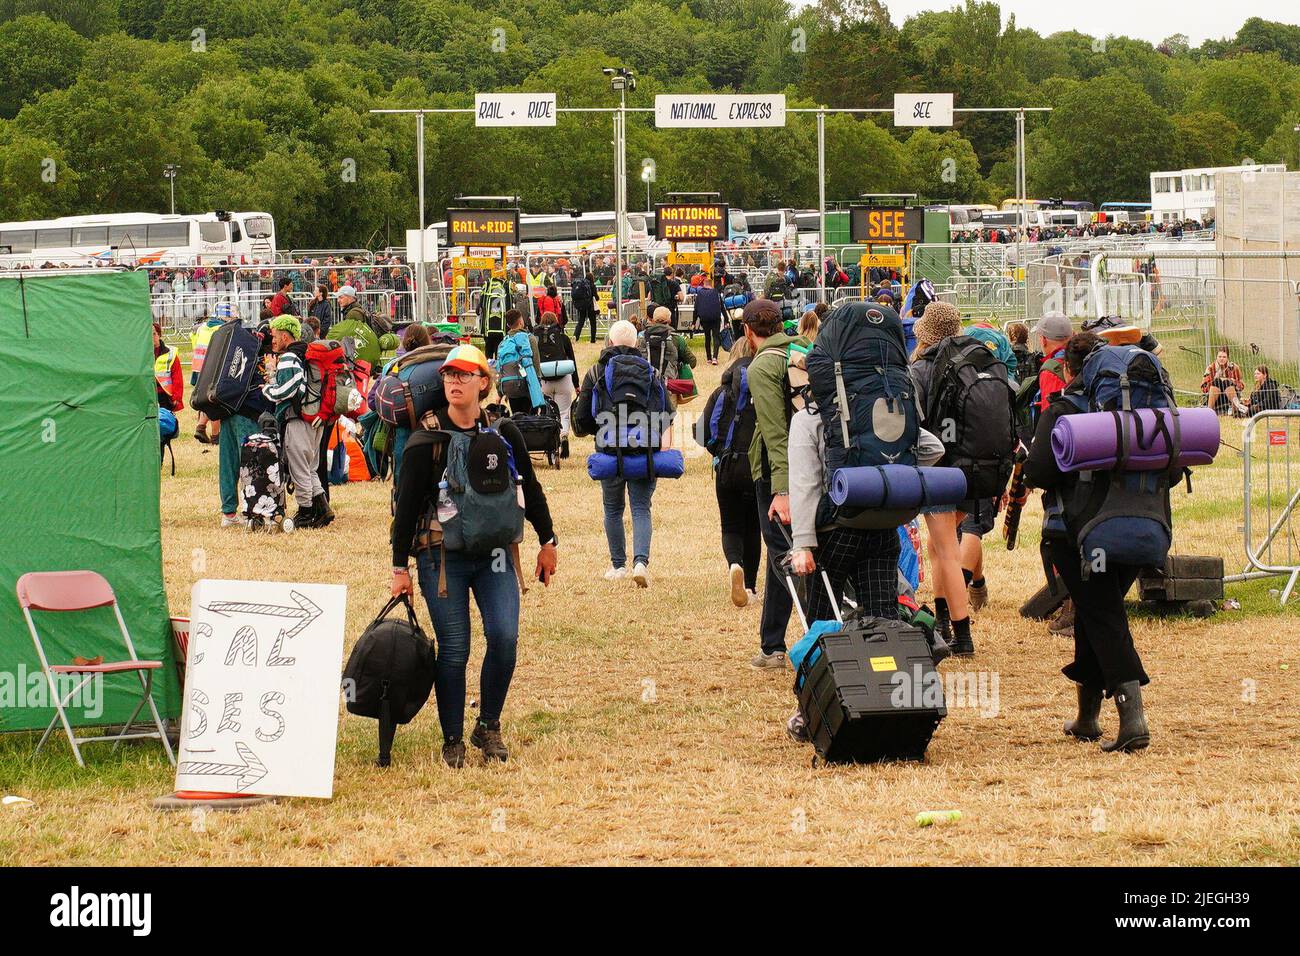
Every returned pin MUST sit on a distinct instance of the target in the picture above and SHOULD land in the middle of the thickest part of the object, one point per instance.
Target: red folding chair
(61, 591)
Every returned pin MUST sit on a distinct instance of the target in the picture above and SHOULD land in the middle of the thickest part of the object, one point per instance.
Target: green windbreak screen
(79, 485)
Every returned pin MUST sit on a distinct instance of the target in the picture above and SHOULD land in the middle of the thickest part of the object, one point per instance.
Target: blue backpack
(728, 429)
(629, 404)
(514, 360)
(168, 428)
(862, 388)
(1119, 516)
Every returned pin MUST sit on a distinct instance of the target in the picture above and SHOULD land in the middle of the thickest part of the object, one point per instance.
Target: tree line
(264, 105)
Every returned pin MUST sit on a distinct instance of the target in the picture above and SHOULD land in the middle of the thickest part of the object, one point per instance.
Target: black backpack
(550, 344)
(581, 291)
(859, 379)
(660, 350)
(972, 409)
(390, 673)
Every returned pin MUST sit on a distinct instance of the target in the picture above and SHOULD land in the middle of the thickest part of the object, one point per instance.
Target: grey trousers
(562, 390)
(302, 454)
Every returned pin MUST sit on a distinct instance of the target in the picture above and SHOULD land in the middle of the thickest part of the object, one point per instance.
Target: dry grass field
(639, 733)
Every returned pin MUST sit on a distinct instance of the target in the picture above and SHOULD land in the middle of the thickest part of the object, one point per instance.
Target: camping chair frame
(98, 594)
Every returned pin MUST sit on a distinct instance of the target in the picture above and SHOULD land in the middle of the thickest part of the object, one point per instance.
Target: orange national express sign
(691, 222)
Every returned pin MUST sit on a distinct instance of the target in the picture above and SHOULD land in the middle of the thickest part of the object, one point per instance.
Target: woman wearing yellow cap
(452, 563)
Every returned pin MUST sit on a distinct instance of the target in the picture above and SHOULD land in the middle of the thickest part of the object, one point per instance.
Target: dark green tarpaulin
(79, 482)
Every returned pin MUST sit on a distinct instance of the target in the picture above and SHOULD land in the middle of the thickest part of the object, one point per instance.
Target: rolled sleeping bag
(897, 487)
(668, 464)
(556, 369)
(734, 302)
(1090, 441)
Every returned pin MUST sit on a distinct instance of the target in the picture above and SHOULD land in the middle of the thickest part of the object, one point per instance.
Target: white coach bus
(136, 238)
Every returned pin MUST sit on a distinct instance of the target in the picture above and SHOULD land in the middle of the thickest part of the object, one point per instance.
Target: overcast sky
(1150, 20)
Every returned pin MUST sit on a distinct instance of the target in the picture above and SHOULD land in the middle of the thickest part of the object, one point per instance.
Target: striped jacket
(289, 385)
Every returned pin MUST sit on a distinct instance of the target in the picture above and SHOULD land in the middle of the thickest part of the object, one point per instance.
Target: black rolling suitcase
(228, 371)
(541, 431)
(869, 690)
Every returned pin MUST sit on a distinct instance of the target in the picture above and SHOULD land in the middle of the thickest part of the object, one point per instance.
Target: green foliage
(265, 104)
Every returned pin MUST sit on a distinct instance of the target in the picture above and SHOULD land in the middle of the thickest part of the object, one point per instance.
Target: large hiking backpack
(1120, 516)
(659, 346)
(628, 402)
(1027, 394)
(326, 369)
(365, 341)
(412, 387)
(727, 427)
(494, 302)
(859, 379)
(483, 483)
(390, 673)
(514, 359)
(971, 408)
(228, 372)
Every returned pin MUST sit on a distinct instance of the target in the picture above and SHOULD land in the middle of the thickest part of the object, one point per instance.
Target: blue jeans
(639, 492)
(496, 592)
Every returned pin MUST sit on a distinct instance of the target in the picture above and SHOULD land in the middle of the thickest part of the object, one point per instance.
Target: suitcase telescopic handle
(789, 582)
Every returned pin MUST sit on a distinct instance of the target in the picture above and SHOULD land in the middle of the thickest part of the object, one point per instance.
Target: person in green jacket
(770, 392)
(667, 351)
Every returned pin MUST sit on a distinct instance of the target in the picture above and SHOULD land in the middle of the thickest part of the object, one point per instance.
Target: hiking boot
(306, 517)
(201, 434)
(641, 575)
(616, 574)
(962, 645)
(324, 514)
(487, 738)
(943, 628)
(564, 449)
(978, 595)
(453, 754)
(739, 596)
(764, 661)
(1086, 726)
(1133, 731)
(796, 728)
(1063, 624)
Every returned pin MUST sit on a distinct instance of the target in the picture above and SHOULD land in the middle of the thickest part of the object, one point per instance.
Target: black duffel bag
(390, 673)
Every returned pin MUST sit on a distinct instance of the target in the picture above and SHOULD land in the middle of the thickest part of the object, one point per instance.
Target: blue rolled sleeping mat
(667, 464)
(897, 487)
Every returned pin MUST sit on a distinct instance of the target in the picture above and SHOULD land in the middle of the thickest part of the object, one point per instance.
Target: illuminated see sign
(886, 224)
(482, 227)
(691, 222)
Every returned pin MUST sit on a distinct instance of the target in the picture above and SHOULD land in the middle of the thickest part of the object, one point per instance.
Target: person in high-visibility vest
(167, 376)
(494, 301)
(199, 340)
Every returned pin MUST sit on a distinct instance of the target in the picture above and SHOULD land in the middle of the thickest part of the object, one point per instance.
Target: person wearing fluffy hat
(952, 608)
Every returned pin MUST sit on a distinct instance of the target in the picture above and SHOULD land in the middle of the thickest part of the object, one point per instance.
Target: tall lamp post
(621, 80)
(169, 173)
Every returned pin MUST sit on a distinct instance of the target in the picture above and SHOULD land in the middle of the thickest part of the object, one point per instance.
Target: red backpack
(325, 364)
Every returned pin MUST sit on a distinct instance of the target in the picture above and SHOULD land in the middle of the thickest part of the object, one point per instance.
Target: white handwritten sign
(514, 109)
(680, 111)
(262, 688)
(922, 109)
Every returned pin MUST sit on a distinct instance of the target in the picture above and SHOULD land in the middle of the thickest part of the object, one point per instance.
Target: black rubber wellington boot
(1133, 732)
(1086, 726)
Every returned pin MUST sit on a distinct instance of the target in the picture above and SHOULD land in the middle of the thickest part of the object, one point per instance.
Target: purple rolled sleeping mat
(1091, 441)
(668, 464)
(897, 487)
